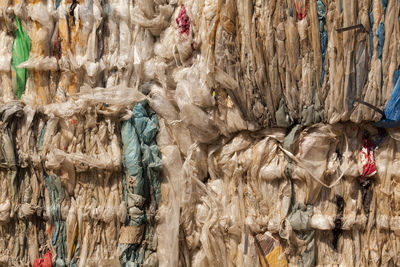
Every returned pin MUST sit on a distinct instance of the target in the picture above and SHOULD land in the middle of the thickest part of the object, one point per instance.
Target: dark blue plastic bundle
(323, 35)
(371, 35)
(384, 5)
(380, 33)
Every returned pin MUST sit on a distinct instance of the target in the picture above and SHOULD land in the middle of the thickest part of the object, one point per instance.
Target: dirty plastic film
(199, 133)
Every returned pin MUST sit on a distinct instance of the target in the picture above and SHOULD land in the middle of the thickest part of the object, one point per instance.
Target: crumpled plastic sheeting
(218, 79)
(142, 185)
(254, 183)
(63, 180)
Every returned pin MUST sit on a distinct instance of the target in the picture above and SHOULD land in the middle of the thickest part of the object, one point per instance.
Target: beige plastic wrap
(248, 129)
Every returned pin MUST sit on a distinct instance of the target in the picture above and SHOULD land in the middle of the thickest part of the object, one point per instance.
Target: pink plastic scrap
(183, 21)
(367, 159)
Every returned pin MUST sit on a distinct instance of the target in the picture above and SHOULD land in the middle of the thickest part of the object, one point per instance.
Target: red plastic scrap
(301, 12)
(56, 45)
(43, 262)
(183, 21)
(367, 159)
(50, 229)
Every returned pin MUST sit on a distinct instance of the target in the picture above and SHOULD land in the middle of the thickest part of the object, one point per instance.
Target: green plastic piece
(20, 53)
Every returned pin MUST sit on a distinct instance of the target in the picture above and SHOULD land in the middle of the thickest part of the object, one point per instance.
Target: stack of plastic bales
(199, 133)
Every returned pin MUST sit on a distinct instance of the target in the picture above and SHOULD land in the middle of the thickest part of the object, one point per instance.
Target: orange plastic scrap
(270, 251)
(301, 11)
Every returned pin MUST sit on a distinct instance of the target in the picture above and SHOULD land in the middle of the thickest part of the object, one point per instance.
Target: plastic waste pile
(199, 133)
